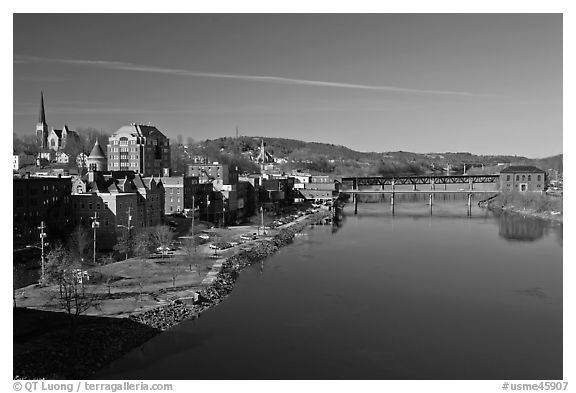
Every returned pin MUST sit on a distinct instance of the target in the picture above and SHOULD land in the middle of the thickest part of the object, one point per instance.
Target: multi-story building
(178, 193)
(139, 148)
(21, 160)
(522, 178)
(215, 173)
(122, 199)
(38, 199)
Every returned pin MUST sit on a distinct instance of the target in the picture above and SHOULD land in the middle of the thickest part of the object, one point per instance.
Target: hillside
(341, 160)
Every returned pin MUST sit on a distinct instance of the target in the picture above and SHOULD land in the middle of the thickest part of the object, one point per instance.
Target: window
(517, 177)
(529, 177)
(90, 205)
(523, 177)
(98, 206)
(507, 177)
(539, 177)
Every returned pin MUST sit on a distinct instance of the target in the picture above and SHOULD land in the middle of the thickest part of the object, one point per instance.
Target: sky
(481, 83)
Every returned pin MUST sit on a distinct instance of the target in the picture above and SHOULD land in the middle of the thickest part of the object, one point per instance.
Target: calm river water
(382, 297)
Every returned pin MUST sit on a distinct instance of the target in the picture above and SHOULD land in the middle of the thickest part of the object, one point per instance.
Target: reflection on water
(515, 227)
(403, 297)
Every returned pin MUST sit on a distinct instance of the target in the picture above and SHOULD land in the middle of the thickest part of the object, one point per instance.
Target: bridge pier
(392, 203)
(444, 186)
(356, 205)
(430, 202)
(414, 186)
(470, 204)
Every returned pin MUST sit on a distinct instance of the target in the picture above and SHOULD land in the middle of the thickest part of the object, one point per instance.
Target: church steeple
(42, 114)
(41, 126)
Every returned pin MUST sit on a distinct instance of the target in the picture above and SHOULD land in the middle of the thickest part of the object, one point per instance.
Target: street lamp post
(95, 225)
(42, 237)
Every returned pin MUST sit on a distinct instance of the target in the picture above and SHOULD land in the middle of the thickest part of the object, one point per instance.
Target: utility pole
(262, 215)
(42, 237)
(95, 225)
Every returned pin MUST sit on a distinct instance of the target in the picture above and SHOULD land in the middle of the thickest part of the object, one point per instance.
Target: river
(409, 296)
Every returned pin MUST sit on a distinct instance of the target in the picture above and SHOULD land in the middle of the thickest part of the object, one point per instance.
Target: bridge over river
(351, 186)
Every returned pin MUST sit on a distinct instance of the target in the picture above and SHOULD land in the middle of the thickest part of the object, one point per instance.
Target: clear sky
(483, 83)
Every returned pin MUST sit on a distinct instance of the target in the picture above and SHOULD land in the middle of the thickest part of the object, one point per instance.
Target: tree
(79, 241)
(163, 237)
(189, 244)
(175, 270)
(143, 243)
(126, 242)
(66, 271)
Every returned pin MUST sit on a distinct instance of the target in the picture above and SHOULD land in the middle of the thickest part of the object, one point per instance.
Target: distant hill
(341, 160)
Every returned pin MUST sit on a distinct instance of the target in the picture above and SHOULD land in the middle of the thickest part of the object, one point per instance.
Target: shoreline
(511, 209)
(123, 334)
(167, 316)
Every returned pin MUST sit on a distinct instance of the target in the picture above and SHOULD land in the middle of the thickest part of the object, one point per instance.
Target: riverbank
(129, 316)
(540, 206)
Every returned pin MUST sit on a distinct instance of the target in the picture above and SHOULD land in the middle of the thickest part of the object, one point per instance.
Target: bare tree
(66, 271)
(175, 270)
(79, 241)
(163, 237)
(189, 245)
(143, 243)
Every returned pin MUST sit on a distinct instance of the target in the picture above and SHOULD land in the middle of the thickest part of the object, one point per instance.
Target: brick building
(118, 198)
(178, 193)
(215, 173)
(38, 199)
(522, 179)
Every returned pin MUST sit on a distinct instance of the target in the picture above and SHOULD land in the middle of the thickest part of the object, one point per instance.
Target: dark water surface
(381, 297)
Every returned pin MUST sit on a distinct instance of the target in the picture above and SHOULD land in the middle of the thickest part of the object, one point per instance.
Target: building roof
(314, 194)
(57, 132)
(521, 168)
(97, 151)
(137, 130)
(173, 181)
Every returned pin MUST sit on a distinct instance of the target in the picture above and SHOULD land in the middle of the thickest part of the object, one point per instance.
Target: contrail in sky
(117, 65)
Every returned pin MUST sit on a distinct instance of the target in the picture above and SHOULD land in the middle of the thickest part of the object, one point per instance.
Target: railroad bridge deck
(415, 180)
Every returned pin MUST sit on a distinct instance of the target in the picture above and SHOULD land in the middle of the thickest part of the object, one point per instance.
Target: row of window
(124, 141)
(538, 177)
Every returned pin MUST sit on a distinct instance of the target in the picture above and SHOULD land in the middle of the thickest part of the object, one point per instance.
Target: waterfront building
(522, 179)
(21, 160)
(140, 148)
(38, 199)
(316, 195)
(215, 173)
(179, 191)
(119, 198)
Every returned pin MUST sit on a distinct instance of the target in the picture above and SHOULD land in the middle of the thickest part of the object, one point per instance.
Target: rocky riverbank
(538, 206)
(165, 317)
